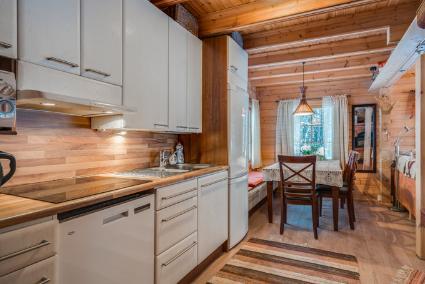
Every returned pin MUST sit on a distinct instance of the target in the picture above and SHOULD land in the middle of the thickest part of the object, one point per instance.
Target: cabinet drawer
(174, 223)
(23, 247)
(175, 263)
(169, 195)
(42, 272)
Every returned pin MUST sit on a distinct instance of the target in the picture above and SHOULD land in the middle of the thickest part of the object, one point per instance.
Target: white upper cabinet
(49, 33)
(238, 60)
(101, 40)
(178, 80)
(8, 28)
(194, 88)
(145, 74)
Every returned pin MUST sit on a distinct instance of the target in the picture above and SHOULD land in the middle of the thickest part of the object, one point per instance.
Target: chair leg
(320, 205)
(350, 210)
(283, 213)
(314, 215)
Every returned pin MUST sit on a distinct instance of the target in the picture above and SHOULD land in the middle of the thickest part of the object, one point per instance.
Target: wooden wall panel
(52, 146)
(358, 91)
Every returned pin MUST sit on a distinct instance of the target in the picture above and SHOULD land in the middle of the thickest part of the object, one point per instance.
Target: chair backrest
(295, 180)
(352, 160)
(352, 167)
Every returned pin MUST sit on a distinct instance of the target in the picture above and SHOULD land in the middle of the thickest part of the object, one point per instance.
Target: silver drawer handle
(142, 208)
(178, 194)
(160, 125)
(179, 254)
(115, 217)
(43, 280)
(5, 44)
(233, 68)
(62, 61)
(214, 182)
(193, 127)
(43, 243)
(183, 127)
(98, 72)
(179, 214)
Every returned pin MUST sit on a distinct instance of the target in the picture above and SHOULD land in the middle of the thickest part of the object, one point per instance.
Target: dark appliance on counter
(7, 102)
(63, 190)
(12, 165)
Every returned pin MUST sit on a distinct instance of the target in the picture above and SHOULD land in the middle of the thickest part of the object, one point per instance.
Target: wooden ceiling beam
(390, 20)
(326, 75)
(343, 85)
(266, 11)
(343, 63)
(162, 4)
(354, 47)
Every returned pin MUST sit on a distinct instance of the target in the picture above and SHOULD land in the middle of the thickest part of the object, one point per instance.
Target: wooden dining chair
(352, 158)
(345, 192)
(298, 187)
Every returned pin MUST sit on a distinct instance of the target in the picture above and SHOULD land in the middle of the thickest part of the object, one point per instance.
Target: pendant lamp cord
(303, 73)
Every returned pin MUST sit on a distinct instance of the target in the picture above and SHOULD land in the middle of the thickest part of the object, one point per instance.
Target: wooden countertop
(15, 210)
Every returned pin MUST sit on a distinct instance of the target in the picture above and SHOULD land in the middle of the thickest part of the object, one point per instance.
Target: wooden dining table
(328, 172)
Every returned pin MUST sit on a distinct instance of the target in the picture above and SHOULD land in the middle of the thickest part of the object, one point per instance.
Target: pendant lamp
(303, 108)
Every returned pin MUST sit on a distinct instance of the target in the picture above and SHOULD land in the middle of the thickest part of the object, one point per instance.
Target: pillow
(255, 178)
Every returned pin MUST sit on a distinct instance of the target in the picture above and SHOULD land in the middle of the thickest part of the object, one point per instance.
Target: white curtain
(335, 128)
(285, 127)
(255, 135)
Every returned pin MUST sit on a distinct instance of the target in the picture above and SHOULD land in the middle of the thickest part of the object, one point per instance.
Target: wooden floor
(383, 240)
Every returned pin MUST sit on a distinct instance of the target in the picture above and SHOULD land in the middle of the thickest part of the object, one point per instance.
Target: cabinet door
(101, 40)
(238, 60)
(178, 52)
(8, 28)
(194, 84)
(212, 213)
(145, 80)
(49, 33)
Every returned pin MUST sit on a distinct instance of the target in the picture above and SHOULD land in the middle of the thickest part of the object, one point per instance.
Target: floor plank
(383, 240)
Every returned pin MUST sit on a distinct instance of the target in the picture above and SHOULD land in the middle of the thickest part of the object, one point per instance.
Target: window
(308, 138)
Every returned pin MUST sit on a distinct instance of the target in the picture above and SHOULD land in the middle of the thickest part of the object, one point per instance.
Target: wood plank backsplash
(53, 146)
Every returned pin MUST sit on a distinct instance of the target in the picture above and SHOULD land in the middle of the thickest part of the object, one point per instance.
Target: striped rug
(409, 275)
(262, 261)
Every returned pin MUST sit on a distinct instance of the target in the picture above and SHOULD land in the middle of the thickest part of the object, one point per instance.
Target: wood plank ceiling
(338, 39)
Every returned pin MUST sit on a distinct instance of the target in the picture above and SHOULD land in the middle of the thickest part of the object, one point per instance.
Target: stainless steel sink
(189, 167)
(157, 172)
(169, 170)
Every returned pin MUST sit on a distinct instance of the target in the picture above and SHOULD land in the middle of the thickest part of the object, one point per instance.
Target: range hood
(403, 57)
(46, 89)
(37, 100)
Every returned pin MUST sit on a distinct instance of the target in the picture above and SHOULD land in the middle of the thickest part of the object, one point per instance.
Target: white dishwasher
(111, 242)
(212, 213)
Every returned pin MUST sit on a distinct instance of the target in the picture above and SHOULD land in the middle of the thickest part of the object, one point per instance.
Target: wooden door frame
(420, 155)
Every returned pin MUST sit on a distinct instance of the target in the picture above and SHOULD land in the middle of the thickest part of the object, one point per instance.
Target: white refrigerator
(238, 107)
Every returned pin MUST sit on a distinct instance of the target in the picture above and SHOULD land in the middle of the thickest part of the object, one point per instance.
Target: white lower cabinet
(41, 272)
(212, 213)
(175, 223)
(173, 264)
(109, 245)
(27, 252)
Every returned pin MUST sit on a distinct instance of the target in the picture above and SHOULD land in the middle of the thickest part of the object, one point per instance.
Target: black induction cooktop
(63, 190)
